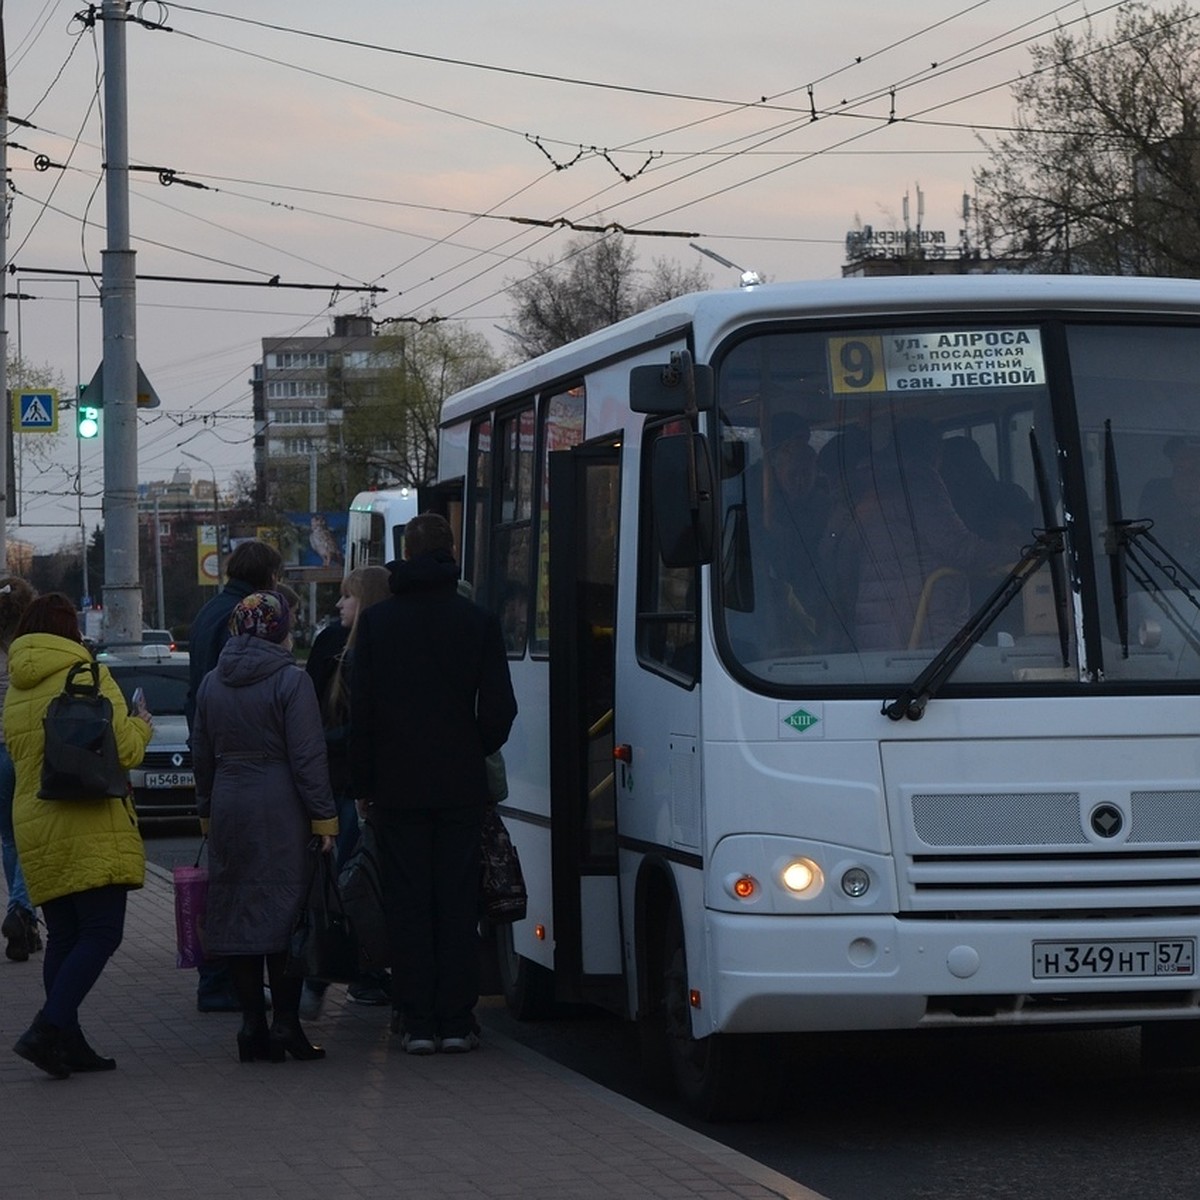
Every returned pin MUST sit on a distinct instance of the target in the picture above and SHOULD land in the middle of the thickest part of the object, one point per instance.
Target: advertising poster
(318, 539)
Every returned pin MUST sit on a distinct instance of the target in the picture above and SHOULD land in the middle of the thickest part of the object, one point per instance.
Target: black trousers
(430, 863)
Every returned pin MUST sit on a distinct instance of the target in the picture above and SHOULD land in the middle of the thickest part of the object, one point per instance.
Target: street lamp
(216, 507)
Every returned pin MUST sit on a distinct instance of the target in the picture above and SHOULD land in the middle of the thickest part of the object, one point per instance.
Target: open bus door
(584, 520)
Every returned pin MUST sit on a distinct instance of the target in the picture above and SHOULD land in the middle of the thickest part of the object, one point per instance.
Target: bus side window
(667, 596)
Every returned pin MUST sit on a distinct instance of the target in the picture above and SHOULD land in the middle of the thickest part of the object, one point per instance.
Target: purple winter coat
(262, 785)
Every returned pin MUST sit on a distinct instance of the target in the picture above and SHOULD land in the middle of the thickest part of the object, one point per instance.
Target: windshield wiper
(912, 701)
(1129, 559)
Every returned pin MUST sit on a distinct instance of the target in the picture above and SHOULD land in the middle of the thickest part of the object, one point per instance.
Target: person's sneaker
(16, 931)
(460, 1045)
(418, 1045)
(368, 993)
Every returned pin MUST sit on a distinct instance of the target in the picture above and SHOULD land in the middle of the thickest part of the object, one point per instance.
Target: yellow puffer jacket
(67, 846)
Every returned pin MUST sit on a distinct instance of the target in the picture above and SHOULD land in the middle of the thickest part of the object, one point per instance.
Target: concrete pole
(122, 583)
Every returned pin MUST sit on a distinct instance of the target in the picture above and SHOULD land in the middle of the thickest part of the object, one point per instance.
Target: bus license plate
(1130, 959)
(169, 779)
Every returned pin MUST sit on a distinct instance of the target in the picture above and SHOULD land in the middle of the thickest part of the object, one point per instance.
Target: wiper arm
(912, 701)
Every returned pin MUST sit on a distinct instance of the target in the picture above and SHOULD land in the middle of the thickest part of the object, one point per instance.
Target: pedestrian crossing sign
(35, 412)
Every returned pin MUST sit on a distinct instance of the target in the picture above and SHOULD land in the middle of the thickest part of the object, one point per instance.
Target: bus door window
(562, 428)
(481, 499)
(508, 595)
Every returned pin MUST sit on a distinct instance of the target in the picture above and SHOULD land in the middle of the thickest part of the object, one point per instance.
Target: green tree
(595, 284)
(390, 421)
(1103, 168)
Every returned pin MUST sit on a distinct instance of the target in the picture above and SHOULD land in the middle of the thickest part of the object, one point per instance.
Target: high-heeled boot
(245, 974)
(42, 1045)
(287, 1037)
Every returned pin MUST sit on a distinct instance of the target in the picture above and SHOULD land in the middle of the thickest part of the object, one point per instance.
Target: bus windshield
(878, 483)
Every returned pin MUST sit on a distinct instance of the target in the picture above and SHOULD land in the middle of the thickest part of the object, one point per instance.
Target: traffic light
(87, 417)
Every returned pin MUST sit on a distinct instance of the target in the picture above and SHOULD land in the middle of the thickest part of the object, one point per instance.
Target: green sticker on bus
(801, 720)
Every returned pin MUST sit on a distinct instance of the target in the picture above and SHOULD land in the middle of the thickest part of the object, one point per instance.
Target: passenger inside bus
(795, 506)
(1173, 502)
(918, 555)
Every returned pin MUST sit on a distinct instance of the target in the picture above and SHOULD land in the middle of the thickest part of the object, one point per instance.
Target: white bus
(375, 526)
(854, 627)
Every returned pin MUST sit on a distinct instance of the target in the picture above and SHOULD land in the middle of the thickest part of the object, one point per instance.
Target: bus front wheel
(528, 987)
(722, 1077)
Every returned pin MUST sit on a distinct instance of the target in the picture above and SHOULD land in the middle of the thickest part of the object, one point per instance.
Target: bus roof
(384, 499)
(710, 316)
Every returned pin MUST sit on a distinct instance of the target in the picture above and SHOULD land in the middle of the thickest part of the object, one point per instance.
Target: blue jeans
(18, 896)
(83, 931)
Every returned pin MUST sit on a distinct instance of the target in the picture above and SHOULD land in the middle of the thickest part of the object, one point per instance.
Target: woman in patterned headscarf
(262, 791)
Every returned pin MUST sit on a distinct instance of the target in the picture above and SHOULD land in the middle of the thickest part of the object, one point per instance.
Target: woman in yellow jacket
(80, 857)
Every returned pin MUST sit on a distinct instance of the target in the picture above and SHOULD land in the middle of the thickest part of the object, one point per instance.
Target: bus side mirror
(664, 390)
(683, 514)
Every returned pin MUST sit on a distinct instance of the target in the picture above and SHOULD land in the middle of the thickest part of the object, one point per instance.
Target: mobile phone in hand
(139, 699)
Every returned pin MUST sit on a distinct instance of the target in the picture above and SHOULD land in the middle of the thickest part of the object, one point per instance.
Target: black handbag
(361, 886)
(322, 943)
(502, 885)
(80, 760)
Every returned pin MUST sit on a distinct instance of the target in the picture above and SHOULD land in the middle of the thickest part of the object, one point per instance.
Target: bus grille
(1026, 850)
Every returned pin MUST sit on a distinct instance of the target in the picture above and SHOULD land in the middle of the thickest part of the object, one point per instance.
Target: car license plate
(1130, 958)
(169, 779)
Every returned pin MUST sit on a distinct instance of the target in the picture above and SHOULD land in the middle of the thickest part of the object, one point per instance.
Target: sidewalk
(182, 1118)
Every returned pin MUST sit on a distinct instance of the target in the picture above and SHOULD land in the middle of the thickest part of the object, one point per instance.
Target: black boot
(42, 1045)
(245, 973)
(288, 1038)
(81, 1057)
(252, 1040)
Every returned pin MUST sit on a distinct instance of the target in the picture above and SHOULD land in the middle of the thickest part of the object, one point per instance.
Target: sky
(403, 147)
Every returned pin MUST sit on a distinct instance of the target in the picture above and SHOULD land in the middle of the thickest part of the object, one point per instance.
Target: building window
(297, 360)
(297, 389)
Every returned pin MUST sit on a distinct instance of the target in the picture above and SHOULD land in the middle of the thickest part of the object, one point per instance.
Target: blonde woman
(329, 667)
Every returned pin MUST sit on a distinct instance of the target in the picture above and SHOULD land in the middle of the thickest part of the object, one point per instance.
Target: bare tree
(595, 284)
(1102, 171)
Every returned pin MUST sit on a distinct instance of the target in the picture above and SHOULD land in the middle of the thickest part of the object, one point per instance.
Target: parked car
(163, 785)
(158, 637)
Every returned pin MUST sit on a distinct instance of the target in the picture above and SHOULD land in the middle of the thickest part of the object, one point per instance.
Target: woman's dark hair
(52, 613)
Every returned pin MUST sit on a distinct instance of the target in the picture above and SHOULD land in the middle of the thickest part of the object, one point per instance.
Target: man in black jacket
(252, 567)
(430, 698)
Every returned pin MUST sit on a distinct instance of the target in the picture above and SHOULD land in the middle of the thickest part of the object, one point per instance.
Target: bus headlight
(856, 883)
(802, 877)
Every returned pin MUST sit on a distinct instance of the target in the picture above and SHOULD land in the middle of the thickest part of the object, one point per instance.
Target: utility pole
(122, 584)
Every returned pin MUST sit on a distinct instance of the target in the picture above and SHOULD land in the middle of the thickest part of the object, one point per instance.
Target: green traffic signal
(87, 421)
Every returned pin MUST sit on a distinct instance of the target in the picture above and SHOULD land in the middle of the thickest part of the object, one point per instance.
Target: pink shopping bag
(191, 899)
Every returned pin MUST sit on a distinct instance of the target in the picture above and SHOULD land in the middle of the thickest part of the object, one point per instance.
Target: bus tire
(722, 1077)
(527, 986)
